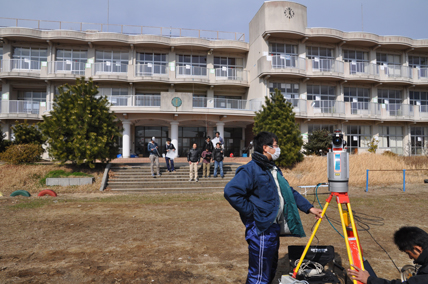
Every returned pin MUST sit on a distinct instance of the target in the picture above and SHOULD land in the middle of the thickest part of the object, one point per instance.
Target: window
(151, 63)
(71, 60)
(234, 102)
(28, 102)
(199, 100)
(419, 98)
(391, 63)
(111, 61)
(419, 140)
(192, 65)
(392, 99)
(420, 63)
(283, 55)
(391, 137)
(357, 137)
(147, 99)
(28, 58)
(116, 96)
(358, 97)
(358, 60)
(315, 127)
(322, 58)
(228, 67)
(321, 93)
(288, 90)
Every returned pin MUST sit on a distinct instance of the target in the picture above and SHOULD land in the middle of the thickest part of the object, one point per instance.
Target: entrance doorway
(143, 135)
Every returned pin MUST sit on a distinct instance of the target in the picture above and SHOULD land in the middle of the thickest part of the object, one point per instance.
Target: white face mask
(277, 153)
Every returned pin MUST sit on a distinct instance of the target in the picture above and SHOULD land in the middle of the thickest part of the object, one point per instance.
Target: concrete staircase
(137, 178)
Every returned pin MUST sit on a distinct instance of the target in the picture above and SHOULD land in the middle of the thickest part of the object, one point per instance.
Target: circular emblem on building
(289, 13)
(176, 102)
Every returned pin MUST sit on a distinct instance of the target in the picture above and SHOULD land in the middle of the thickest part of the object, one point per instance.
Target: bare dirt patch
(181, 238)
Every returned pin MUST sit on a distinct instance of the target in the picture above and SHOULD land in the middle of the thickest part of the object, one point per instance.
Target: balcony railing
(288, 61)
(332, 107)
(150, 69)
(423, 73)
(67, 67)
(199, 102)
(148, 100)
(192, 71)
(230, 103)
(364, 108)
(399, 110)
(106, 67)
(124, 29)
(119, 100)
(22, 64)
(397, 71)
(423, 111)
(228, 73)
(299, 106)
(24, 107)
(363, 68)
(327, 65)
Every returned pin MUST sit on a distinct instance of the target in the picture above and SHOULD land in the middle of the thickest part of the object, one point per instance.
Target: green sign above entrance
(176, 102)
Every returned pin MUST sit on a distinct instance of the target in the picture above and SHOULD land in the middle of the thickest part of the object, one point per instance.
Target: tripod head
(338, 164)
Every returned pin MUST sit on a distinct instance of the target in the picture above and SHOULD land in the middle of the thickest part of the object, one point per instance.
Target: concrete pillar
(220, 128)
(174, 134)
(340, 97)
(172, 64)
(210, 98)
(126, 141)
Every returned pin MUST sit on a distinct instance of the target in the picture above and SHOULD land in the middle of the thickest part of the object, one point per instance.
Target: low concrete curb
(69, 181)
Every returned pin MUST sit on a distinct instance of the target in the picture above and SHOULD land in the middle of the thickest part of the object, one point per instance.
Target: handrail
(127, 29)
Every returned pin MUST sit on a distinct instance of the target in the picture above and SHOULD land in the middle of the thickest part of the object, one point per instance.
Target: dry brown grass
(27, 177)
(313, 170)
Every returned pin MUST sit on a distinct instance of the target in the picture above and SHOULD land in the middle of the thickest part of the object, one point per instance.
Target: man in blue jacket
(267, 206)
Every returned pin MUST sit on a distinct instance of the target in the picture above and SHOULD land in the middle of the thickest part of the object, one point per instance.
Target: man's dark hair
(218, 143)
(218, 133)
(168, 140)
(208, 137)
(408, 237)
(263, 138)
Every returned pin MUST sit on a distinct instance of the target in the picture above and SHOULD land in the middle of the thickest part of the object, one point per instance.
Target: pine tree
(27, 134)
(277, 116)
(318, 140)
(81, 128)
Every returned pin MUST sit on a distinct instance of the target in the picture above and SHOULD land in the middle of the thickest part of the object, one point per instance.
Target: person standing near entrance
(218, 157)
(169, 152)
(193, 157)
(208, 144)
(267, 206)
(206, 163)
(218, 139)
(153, 149)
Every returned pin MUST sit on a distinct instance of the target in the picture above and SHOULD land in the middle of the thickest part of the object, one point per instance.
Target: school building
(187, 83)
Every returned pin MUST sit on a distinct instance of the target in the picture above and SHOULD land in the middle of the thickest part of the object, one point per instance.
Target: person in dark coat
(268, 207)
(193, 157)
(414, 242)
(208, 144)
(218, 157)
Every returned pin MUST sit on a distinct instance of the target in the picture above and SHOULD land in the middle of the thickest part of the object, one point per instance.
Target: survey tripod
(338, 177)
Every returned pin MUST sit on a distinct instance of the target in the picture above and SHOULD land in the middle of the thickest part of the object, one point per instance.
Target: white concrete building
(186, 84)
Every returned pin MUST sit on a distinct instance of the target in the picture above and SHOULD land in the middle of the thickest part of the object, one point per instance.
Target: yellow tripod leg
(311, 238)
(354, 230)
(345, 235)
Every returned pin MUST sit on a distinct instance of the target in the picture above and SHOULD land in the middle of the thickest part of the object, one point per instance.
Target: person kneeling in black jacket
(414, 242)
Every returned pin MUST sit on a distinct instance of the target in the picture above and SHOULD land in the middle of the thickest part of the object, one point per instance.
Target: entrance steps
(138, 178)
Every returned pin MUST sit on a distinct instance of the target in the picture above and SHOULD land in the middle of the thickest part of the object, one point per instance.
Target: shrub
(318, 143)
(21, 154)
(27, 134)
(389, 154)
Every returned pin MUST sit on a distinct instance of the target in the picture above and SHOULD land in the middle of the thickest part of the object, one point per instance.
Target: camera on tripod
(338, 164)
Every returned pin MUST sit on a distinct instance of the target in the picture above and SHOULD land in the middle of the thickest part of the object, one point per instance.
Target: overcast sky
(384, 17)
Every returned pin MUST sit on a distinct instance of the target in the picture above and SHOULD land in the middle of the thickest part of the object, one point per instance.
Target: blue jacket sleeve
(237, 192)
(302, 203)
